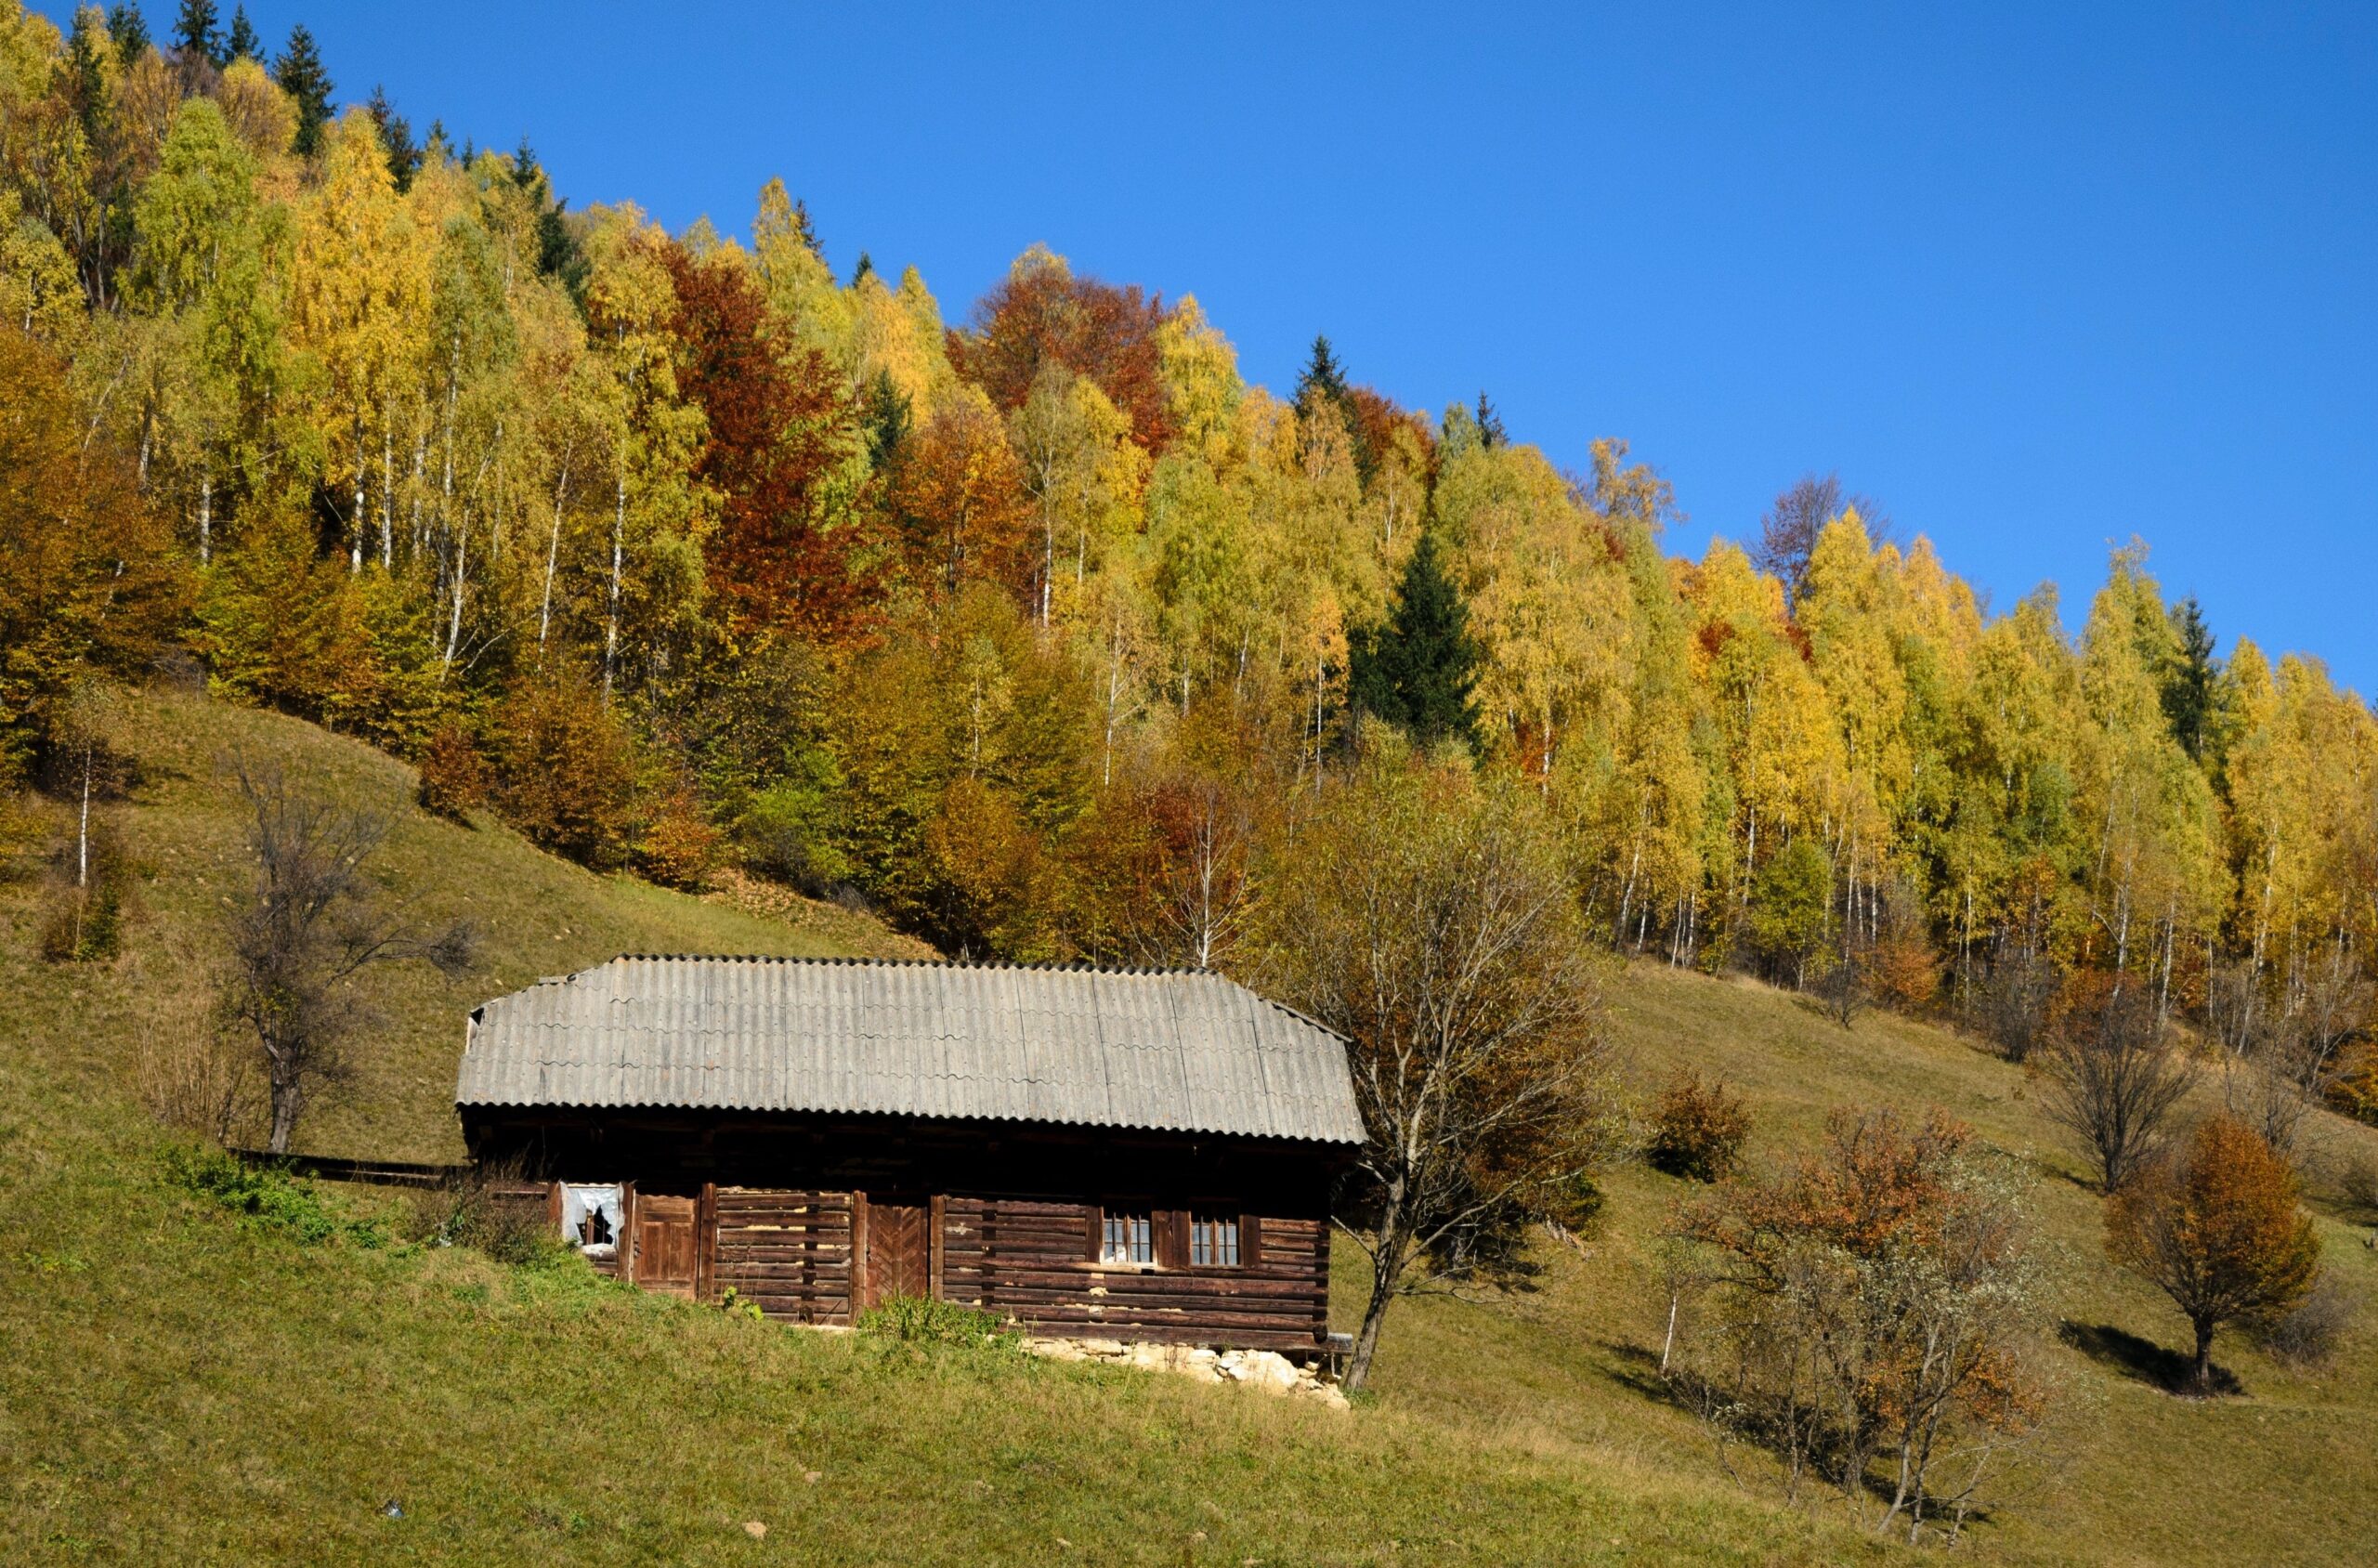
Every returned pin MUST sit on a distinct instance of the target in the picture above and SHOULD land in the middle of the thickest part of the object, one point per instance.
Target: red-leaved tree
(791, 552)
(1041, 311)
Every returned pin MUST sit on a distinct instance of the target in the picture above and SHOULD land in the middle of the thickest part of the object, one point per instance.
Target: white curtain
(577, 1202)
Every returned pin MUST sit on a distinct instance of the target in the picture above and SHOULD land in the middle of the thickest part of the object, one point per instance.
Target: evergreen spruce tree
(886, 414)
(1419, 669)
(395, 134)
(129, 30)
(1491, 432)
(2191, 681)
(87, 74)
(196, 36)
(865, 268)
(242, 41)
(805, 230)
(1324, 378)
(299, 71)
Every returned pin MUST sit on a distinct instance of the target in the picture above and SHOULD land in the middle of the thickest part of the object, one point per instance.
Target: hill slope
(2287, 1474)
(183, 1385)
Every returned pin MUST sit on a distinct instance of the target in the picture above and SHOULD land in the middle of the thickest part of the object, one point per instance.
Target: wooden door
(667, 1252)
(899, 1251)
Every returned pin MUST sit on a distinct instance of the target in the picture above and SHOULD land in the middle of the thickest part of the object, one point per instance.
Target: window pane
(1213, 1242)
(1127, 1238)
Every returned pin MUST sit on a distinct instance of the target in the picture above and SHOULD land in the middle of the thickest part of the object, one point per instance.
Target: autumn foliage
(2218, 1231)
(1697, 1129)
(90, 580)
(1043, 313)
(388, 436)
(780, 429)
(1874, 1306)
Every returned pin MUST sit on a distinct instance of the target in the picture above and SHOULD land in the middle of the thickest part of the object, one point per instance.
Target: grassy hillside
(183, 1385)
(534, 915)
(2288, 1473)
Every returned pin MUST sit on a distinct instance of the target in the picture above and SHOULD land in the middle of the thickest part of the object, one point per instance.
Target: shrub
(1904, 972)
(90, 885)
(679, 846)
(1697, 1129)
(492, 1209)
(454, 778)
(565, 768)
(2359, 1181)
(196, 1079)
(2218, 1231)
(2114, 1077)
(82, 924)
(266, 1197)
(1881, 1301)
(918, 1320)
(788, 830)
(2355, 1091)
(2308, 1335)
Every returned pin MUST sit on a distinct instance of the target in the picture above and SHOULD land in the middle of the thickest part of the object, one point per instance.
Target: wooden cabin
(1131, 1154)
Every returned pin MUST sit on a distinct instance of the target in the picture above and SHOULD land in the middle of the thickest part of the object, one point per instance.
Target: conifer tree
(1324, 378)
(2189, 681)
(1491, 432)
(865, 269)
(886, 413)
(242, 41)
(1419, 669)
(196, 36)
(395, 134)
(129, 30)
(300, 74)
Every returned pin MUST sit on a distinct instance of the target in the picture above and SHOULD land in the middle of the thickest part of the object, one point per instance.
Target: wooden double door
(899, 1248)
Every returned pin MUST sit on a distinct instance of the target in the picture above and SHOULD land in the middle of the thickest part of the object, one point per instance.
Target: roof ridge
(1037, 966)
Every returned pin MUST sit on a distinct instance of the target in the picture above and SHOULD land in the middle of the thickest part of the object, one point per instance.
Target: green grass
(535, 915)
(2288, 1473)
(197, 1371)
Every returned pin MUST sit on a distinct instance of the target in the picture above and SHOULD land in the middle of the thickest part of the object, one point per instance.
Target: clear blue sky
(2039, 278)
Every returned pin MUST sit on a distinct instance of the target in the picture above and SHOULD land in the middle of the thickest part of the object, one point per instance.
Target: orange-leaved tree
(1878, 1299)
(2218, 1231)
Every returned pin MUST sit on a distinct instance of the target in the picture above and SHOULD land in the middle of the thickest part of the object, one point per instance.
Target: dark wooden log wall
(788, 1251)
(1015, 1214)
(1031, 1260)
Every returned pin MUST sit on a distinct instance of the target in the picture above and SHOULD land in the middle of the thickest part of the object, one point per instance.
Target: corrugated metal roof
(1180, 1050)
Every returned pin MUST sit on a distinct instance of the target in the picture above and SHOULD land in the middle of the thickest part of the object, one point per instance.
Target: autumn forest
(1034, 627)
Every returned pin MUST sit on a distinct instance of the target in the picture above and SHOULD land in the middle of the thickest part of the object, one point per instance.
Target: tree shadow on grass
(2143, 1360)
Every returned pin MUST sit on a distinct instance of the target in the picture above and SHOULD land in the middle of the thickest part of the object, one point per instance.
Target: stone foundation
(1268, 1370)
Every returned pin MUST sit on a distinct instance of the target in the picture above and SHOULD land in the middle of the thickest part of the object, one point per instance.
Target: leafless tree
(2115, 1078)
(1429, 923)
(2282, 1055)
(1787, 534)
(1197, 890)
(2014, 1001)
(310, 923)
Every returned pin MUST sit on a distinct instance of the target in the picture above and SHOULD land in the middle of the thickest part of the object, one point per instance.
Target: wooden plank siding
(1012, 1215)
(1031, 1260)
(788, 1251)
